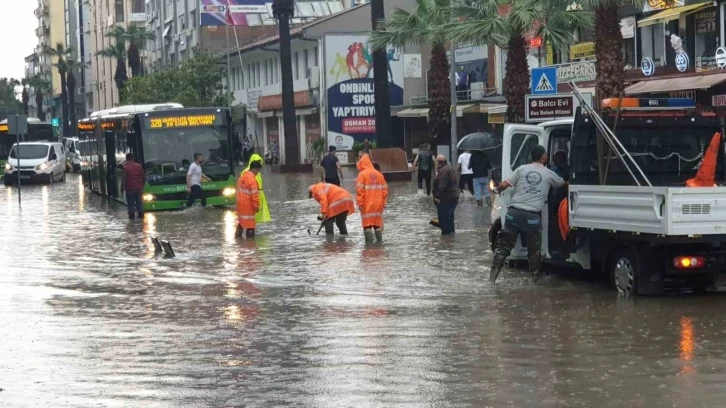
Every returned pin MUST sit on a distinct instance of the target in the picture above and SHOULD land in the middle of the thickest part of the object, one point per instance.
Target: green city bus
(164, 139)
(37, 132)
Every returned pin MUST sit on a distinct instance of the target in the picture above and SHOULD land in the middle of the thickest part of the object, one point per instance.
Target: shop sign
(682, 62)
(721, 57)
(627, 27)
(647, 66)
(582, 50)
(683, 95)
(654, 5)
(577, 71)
(535, 42)
(541, 108)
(718, 100)
(705, 63)
(497, 118)
(706, 21)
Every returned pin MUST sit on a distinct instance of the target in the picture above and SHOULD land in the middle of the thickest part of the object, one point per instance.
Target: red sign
(535, 42)
(718, 100)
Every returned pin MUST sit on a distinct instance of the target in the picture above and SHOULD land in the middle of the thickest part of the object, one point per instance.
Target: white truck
(646, 238)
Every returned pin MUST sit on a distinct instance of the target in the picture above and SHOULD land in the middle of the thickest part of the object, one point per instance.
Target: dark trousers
(446, 210)
(134, 204)
(466, 180)
(197, 193)
(528, 226)
(424, 176)
(335, 181)
(338, 220)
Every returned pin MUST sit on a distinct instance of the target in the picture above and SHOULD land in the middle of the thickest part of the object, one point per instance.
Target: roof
(297, 31)
(686, 83)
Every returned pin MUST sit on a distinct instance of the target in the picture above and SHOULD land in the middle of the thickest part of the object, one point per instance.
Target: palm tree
(507, 24)
(424, 26)
(61, 52)
(41, 86)
(25, 96)
(137, 37)
(72, 66)
(283, 11)
(117, 51)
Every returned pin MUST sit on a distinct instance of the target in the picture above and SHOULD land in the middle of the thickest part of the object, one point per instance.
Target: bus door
(110, 170)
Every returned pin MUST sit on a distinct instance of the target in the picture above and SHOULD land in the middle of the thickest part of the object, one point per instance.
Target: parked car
(43, 162)
(73, 159)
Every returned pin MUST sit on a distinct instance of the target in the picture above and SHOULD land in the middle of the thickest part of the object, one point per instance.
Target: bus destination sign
(181, 121)
(86, 126)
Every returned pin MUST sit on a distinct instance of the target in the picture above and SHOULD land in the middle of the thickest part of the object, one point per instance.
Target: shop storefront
(306, 112)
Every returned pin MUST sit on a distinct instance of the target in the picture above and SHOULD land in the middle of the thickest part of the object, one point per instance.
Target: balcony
(42, 31)
(43, 8)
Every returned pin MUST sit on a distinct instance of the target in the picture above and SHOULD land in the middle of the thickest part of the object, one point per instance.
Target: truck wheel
(624, 271)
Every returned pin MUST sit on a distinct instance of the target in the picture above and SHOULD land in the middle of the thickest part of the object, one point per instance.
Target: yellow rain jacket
(264, 214)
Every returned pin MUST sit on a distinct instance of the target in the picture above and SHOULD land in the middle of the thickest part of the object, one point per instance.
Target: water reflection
(687, 345)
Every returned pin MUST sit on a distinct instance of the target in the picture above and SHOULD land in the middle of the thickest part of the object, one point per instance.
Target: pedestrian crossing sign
(544, 81)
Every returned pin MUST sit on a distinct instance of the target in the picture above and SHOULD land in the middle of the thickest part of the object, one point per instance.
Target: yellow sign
(182, 121)
(108, 125)
(4, 128)
(550, 54)
(582, 50)
(86, 126)
(496, 117)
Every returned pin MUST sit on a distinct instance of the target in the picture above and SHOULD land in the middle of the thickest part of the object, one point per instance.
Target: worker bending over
(336, 204)
(372, 196)
(248, 200)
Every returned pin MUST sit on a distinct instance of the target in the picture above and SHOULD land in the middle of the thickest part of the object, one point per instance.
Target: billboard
(350, 90)
(229, 12)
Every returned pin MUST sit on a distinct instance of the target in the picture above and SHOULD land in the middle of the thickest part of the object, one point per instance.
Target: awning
(414, 113)
(671, 14)
(267, 114)
(676, 84)
(299, 112)
(461, 109)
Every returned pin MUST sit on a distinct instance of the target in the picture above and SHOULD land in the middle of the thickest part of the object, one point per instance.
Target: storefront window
(652, 42)
(706, 39)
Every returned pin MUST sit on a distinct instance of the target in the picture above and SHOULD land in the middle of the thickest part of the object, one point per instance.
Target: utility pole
(283, 11)
(454, 128)
(380, 80)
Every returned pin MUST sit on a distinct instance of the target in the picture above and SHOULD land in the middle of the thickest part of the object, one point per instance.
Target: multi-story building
(44, 63)
(104, 17)
(83, 38)
(31, 70)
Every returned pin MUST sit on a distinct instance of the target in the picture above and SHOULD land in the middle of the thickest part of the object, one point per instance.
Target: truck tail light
(689, 262)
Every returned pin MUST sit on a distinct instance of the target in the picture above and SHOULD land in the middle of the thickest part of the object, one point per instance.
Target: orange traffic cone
(563, 219)
(706, 176)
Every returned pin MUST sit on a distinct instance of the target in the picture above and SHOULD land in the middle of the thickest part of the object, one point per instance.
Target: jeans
(466, 180)
(446, 210)
(518, 223)
(339, 220)
(134, 204)
(480, 186)
(424, 176)
(197, 192)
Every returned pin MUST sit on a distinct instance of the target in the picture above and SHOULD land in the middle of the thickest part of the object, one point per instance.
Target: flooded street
(90, 317)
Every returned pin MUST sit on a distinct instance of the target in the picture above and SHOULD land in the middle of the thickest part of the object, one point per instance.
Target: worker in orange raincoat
(248, 200)
(372, 197)
(336, 204)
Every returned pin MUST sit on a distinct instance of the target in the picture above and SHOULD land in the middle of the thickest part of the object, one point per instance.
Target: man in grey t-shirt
(531, 185)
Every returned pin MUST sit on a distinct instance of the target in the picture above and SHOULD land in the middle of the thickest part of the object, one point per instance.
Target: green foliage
(9, 103)
(195, 83)
(358, 146)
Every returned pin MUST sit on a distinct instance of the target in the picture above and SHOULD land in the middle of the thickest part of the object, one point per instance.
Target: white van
(73, 158)
(43, 162)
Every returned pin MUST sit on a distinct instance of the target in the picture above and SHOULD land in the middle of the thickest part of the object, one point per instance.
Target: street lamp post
(283, 10)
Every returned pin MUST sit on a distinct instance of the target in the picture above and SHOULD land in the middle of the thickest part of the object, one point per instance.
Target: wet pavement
(90, 317)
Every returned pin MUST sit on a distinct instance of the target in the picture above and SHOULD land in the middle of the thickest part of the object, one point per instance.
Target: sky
(17, 35)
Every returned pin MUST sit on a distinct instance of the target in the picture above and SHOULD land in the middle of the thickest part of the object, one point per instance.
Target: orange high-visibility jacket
(248, 200)
(372, 193)
(333, 199)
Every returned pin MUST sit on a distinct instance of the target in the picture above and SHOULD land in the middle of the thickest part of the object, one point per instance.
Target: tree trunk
(134, 60)
(516, 78)
(39, 102)
(292, 148)
(384, 134)
(439, 93)
(608, 50)
(26, 101)
(71, 85)
(120, 77)
(64, 104)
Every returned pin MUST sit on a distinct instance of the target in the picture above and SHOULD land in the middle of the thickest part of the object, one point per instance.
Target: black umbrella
(478, 141)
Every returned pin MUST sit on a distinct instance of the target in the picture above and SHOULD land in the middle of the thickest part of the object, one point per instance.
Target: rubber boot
(497, 265)
(250, 233)
(238, 232)
(479, 203)
(379, 236)
(369, 235)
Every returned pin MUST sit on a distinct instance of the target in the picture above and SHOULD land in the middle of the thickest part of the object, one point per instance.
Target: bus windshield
(168, 153)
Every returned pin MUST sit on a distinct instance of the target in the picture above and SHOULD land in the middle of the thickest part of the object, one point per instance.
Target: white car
(43, 162)
(73, 157)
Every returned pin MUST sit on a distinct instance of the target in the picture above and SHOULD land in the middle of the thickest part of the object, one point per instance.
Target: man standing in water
(531, 184)
(132, 182)
(423, 163)
(372, 196)
(330, 168)
(446, 195)
(194, 181)
(248, 200)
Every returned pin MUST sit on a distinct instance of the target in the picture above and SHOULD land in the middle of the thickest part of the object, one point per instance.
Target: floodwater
(90, 317)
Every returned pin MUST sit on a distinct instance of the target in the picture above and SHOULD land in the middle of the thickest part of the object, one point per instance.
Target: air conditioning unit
(313, 75)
